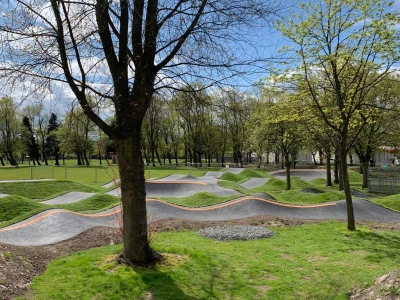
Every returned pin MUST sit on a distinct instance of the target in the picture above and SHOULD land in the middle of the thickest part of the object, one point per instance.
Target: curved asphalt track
(182, 188)
(304, 174)
(56, 225)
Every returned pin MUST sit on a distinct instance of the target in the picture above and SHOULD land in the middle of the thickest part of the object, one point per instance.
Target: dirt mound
(386, 287)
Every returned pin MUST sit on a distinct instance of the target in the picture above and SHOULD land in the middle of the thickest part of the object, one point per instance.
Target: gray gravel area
(68, 198)
(236, 232)
(254, 182)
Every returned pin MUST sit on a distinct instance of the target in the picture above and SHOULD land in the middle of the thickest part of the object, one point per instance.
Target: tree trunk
(346, 185)
(86, 158)
(12, 159)
(57, 162)
(100, 158)
(365, 165)
(287, 162)
(328, 168)
(2, 161)
(133, 195)
(78, 156)
(158, 158)
(152, 156)
(336, 168)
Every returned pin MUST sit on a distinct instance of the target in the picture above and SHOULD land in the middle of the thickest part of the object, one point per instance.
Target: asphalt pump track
(57, 225)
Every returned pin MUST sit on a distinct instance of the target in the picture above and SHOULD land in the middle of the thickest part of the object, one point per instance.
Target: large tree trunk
(287, 162)
(12, 159)
(57, 162)
(328, 168)
(365, 166)
(133, 195)
(344, 178)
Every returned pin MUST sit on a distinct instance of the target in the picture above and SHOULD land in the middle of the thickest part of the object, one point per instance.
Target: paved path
(56, 225)
(254, 182)
(182, 188)
(305, 174)
(68, 198)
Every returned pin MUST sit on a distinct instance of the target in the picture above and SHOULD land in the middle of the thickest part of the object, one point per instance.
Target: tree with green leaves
(344, 49)
(29, 140)
(52, 144)
(123, 52)
(9, 130)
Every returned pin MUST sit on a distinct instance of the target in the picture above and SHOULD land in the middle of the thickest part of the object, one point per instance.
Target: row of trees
(124, 51)
(32, 134)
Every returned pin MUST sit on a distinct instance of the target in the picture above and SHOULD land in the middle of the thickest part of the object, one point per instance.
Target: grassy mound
(199, 199)
(45, 189)
(14, 206)
(298, 197)
(392, 202)
(244, 175)
(96, 203)
(315, 261)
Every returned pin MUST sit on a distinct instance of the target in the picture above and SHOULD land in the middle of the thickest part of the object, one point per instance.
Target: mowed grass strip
(93, 175)
(314, 261)
(42, 190)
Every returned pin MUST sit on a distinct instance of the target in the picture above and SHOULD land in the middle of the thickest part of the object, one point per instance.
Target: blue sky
(266, 40)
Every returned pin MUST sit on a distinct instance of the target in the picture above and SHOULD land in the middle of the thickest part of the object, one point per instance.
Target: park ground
(374, 248)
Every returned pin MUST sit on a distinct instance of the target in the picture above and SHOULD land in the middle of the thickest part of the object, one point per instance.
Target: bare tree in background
(123, 51)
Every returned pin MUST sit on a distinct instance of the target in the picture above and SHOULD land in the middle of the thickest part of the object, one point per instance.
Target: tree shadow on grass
(162, 286)
(380, 245)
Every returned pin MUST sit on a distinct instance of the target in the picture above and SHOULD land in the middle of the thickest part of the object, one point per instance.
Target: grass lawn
(42, 190)
(314, 261)
(92, 175)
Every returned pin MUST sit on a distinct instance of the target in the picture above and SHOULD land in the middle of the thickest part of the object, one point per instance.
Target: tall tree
(30, 141)
(9, 129)
(345, 48)
(123, 51)
(52, 144)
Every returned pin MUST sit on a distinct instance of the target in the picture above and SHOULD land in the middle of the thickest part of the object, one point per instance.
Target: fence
(384, 179)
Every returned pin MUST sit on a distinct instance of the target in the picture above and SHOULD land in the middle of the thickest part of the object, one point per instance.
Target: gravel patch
(236, 232)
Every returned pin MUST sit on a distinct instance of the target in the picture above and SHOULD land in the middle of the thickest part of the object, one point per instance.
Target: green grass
(199, 199)
(392, 202)
(45, 189)
(275, 184)
(15, 206)
(298, 197)
(14, 209)
(315, 261)
(94, 204)
(96, 176)
(243, 176)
